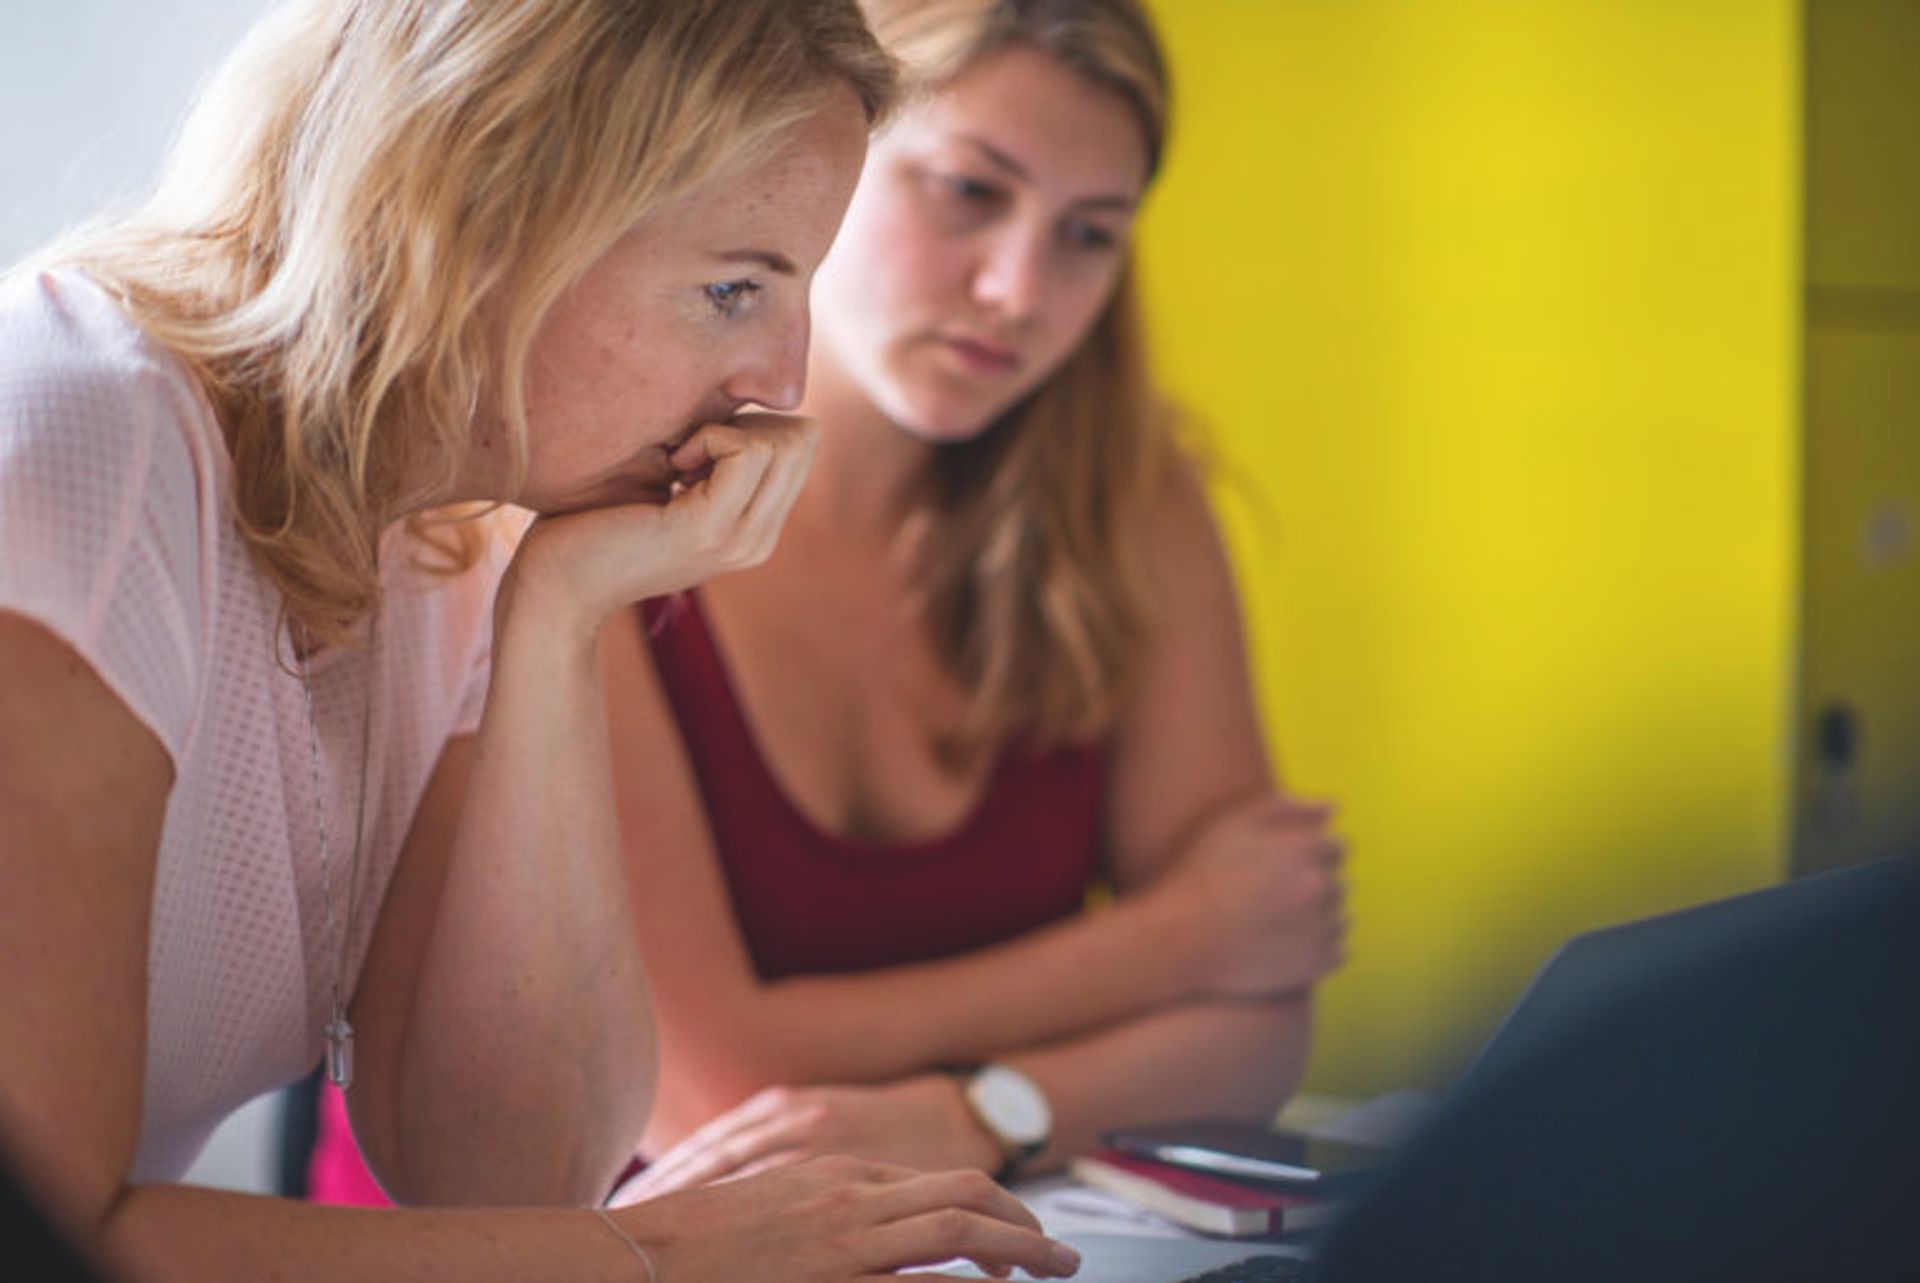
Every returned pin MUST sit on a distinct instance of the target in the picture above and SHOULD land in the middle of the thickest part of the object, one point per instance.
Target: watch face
(1010, 1104)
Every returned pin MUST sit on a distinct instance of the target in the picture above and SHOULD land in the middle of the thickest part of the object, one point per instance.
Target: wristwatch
(1011, 1108)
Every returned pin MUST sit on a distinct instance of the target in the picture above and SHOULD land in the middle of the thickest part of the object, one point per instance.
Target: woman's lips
(981, 355)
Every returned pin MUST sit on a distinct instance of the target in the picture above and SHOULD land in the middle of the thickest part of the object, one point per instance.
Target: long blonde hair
(1030, 545)
(362, 175)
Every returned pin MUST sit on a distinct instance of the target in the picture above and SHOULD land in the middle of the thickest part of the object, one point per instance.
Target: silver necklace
(339, 1030)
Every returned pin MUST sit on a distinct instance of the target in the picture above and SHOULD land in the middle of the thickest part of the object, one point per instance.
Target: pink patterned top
(115, 535)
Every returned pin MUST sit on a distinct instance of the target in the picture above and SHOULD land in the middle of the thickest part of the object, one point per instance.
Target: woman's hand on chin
(737, 483)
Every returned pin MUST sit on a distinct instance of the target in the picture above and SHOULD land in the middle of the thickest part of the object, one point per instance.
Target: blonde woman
(293, 766)
(995, 661)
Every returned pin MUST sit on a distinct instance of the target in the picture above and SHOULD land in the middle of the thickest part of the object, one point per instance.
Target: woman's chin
(945, 427)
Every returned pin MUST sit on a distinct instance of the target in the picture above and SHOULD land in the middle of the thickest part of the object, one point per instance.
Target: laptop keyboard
(1256, 1269)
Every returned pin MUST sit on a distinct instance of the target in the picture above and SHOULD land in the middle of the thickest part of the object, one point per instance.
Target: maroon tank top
(810, 901)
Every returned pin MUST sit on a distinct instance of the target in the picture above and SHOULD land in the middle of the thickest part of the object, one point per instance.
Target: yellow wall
(1488, 306)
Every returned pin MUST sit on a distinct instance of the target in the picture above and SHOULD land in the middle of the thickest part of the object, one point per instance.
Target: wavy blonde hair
(362, 176)
(1030, 544)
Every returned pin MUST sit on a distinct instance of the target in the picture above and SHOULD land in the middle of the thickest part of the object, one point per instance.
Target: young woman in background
(866, 787)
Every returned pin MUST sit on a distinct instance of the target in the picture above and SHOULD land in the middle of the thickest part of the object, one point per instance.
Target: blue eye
(1088, 236)
(970, 190)
(728, 297)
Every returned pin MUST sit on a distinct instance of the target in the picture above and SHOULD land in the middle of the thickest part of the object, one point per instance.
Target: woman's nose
(1010, 277)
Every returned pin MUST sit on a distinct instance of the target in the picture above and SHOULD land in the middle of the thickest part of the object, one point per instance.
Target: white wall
(90, 94)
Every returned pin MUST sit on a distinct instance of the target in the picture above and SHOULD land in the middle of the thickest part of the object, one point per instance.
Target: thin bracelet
(646, 1257)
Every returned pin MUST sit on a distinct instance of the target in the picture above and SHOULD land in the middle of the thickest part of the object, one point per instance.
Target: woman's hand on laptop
(840, 1220)
(1254, 905)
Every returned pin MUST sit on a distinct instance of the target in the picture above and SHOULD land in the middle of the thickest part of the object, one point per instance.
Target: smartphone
(1249, 1152)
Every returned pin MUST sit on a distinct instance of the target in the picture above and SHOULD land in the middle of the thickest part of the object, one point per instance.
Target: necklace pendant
(340, 1053)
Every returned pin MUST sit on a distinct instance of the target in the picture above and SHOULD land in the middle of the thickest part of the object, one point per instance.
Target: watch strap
(1015, 1154)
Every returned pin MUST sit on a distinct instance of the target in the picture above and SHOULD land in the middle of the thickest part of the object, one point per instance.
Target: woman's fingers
(686, 1166)
(923, 1218)
(738, 465)
(752, 470)
(771, 1162)
(728, 1155)
(834, 1220)
(976, 1191)
(949, 1232)
(715, 443)
(698, 1150)
(781, 1123)
(665, 1169)
(764, 1103)
(779, 489)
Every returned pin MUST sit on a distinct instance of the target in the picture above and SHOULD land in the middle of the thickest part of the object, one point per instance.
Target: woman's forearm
(1096, 969)
(1239, 1059)
(531, 1031)
(182, 1234)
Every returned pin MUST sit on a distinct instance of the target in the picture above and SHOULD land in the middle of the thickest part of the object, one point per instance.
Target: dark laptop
(1678, 969)
(1730, 1094)
(1593, 970)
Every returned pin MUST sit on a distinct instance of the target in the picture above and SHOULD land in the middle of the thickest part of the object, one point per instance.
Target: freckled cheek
(616, 365)
(591, 402)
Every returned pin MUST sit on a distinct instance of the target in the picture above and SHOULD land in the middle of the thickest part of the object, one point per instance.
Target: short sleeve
(473, 696)
(101, 533)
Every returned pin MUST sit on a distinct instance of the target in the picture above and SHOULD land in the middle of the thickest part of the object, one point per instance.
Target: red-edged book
(1204, 1203)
